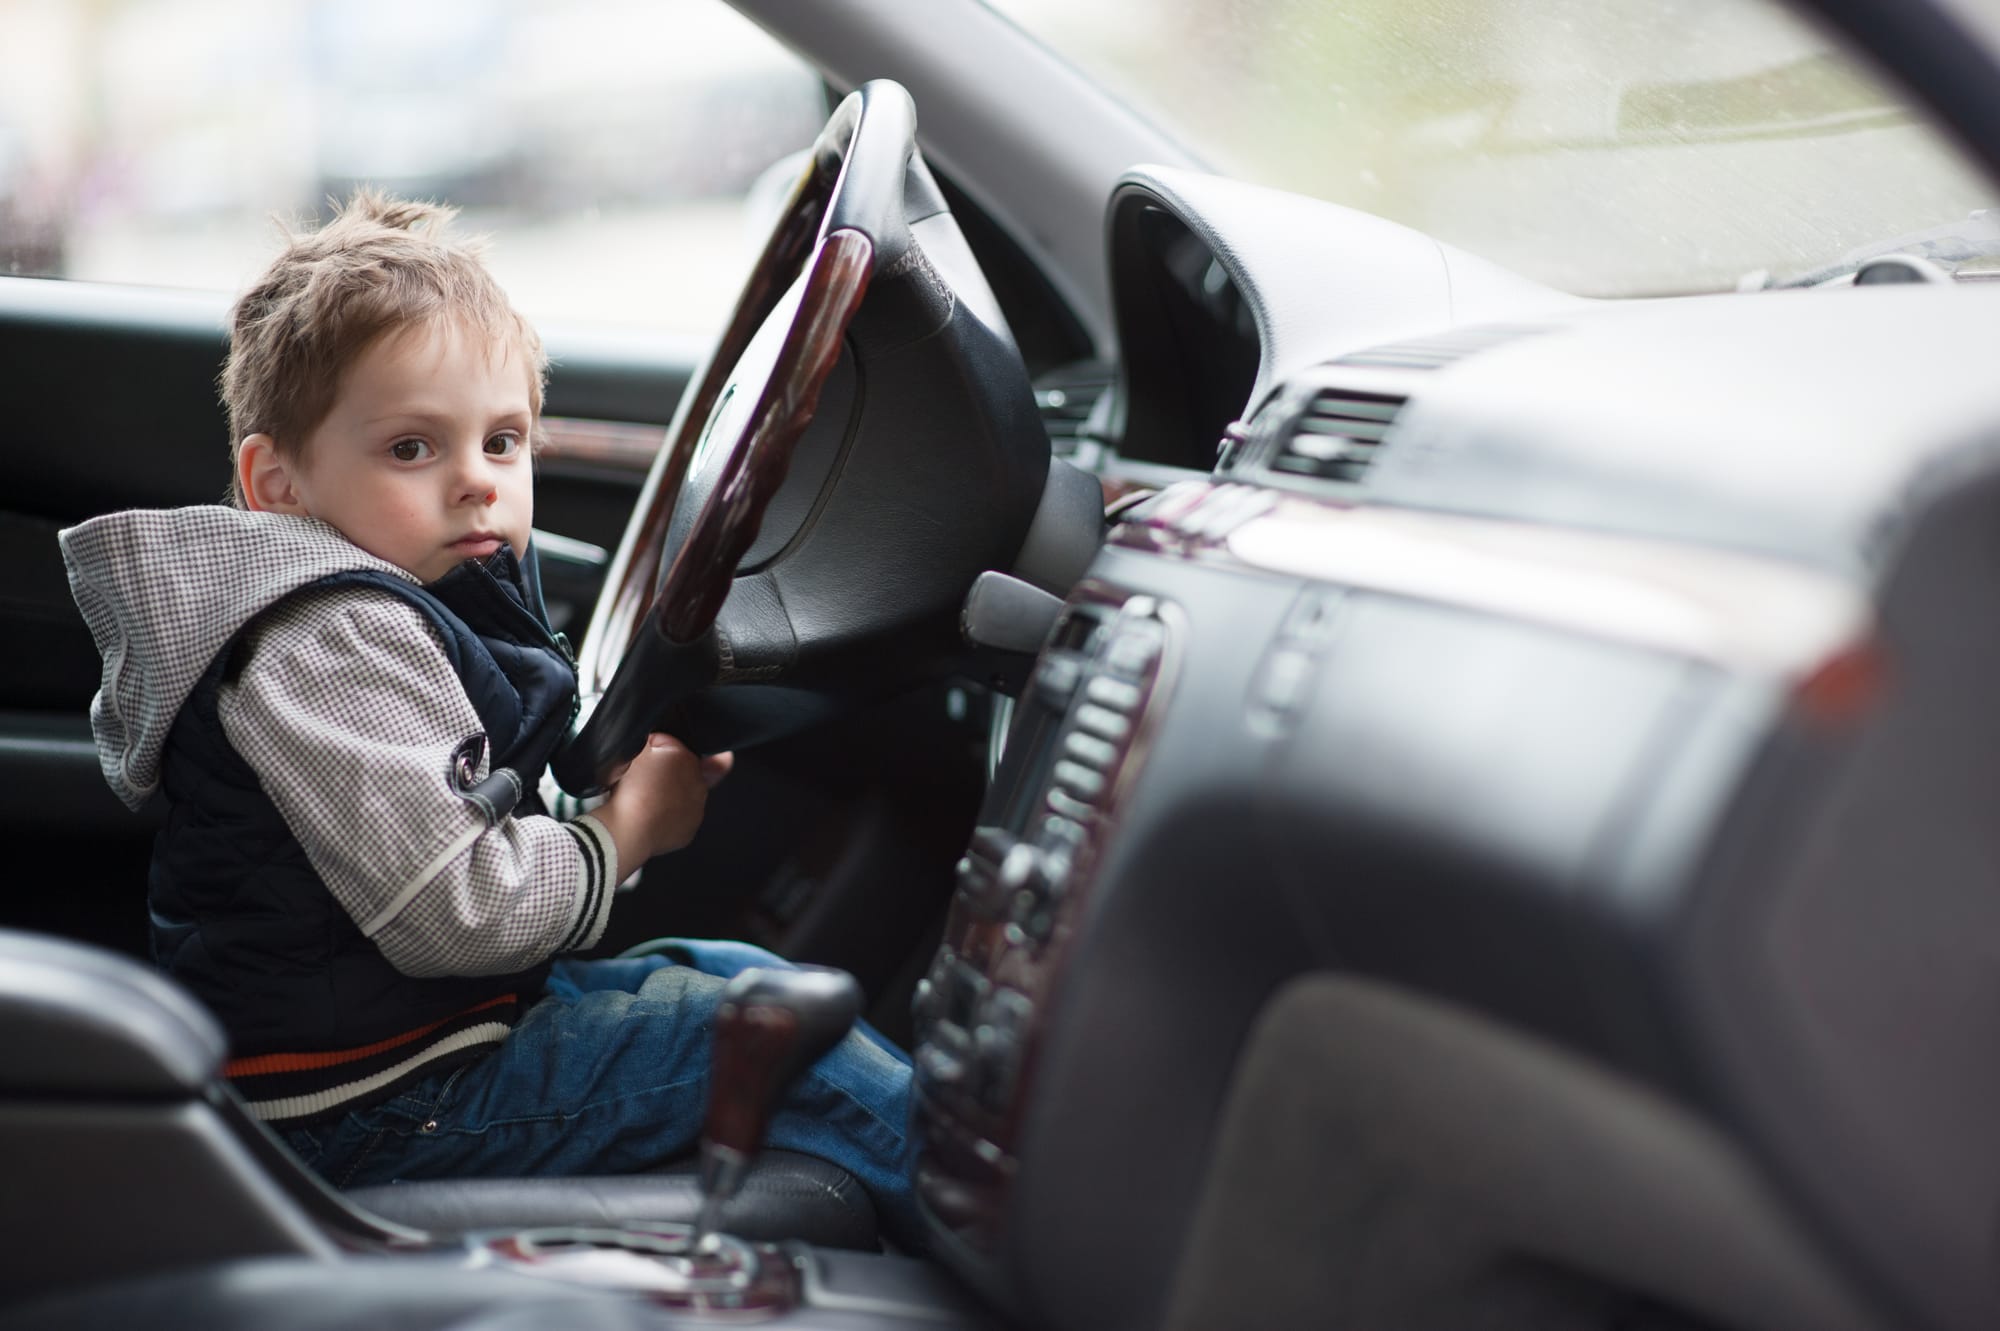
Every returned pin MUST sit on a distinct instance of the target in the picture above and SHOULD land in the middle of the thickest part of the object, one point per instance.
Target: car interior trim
(1736, 611)
(626, 446)
(1079, 740)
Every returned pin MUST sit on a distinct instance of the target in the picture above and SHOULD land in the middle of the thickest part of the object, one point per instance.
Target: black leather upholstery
(84, 1028)
(83, 1022)
(785, 1196)
(402, 1293)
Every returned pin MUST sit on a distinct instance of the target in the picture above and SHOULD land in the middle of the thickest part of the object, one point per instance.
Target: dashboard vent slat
(1065, 397)
(1326, 427)
(1372, 431)
(1335, 435)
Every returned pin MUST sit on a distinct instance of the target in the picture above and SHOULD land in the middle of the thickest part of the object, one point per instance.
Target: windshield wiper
(1977, 237)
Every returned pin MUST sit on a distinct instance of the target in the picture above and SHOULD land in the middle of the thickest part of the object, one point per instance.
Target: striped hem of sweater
(293, 1088)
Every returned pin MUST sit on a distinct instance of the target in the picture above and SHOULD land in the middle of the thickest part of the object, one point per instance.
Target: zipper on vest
(549, 637)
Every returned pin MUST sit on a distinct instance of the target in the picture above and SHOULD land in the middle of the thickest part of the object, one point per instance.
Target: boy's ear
(265, 478)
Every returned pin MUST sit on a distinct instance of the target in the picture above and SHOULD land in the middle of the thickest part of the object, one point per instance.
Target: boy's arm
(349, 712)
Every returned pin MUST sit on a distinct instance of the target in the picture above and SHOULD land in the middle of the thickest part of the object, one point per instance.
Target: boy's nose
(475, 485)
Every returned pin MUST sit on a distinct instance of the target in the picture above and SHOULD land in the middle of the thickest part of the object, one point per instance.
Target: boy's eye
(504, 445)
(409, 450)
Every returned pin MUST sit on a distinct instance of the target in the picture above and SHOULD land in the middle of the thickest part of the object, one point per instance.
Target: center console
(1079, 736)
(691, 1279)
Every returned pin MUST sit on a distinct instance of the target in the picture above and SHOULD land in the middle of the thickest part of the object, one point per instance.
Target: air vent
(1336, 435)
(1439, 350)
(1066, 396)
(1330, 423)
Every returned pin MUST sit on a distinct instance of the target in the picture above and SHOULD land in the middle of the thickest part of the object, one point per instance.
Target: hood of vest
(164, 590)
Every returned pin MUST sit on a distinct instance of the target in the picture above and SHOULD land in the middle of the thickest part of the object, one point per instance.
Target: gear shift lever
(770, 1026)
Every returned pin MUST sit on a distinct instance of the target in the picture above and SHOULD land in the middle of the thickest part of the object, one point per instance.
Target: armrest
(80, 1021)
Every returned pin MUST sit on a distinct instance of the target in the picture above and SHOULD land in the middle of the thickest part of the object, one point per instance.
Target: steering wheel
(860, 445)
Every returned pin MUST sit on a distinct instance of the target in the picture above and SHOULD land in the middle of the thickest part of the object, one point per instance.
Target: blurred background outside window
(606, 146)
(1607, 147)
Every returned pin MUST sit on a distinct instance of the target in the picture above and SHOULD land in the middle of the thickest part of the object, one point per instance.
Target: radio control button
(1079, 780)
(926, 1005)
(998, 1041)
(1034, 916)
(1025, 870)
(1067, 805)
(1090, 749)
(991, 842)
(932, 999)
(1112, 693)
(966, 994)
(978, 888)
(1032, 877)
(1008, 1010)
(1102, 722)
(1061, 836)
(1288, 675)
(1057, 678)
(943, 1058)
(1133, 649)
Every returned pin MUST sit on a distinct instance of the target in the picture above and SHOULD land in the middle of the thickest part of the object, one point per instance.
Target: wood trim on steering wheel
(653, 641)
(638, 582)
(698, 581)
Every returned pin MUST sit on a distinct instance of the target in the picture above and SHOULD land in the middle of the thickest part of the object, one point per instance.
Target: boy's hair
(380, 264)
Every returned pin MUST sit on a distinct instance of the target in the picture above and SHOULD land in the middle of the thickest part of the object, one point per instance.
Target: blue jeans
(608, 1074)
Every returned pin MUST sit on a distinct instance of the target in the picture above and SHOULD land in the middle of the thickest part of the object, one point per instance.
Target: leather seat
(112, 1108)
(785, 1196)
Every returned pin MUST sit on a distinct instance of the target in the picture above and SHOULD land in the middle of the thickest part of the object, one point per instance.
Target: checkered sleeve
(349, 712)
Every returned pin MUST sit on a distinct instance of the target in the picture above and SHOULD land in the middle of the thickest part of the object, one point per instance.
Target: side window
(606, 146)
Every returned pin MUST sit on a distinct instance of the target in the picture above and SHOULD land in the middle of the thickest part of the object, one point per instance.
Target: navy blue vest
(238, 914)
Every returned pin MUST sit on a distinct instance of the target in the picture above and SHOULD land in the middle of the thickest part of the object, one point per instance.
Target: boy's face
(423, 459)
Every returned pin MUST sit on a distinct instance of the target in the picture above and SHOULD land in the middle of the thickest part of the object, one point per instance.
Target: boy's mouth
(476, 545)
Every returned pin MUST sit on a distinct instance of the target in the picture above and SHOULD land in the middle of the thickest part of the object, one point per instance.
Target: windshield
(1606, 147)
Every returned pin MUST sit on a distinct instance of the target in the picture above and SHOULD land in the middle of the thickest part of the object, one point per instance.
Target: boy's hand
(657, 800)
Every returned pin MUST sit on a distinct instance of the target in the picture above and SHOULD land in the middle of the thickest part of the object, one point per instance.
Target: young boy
(347, 688)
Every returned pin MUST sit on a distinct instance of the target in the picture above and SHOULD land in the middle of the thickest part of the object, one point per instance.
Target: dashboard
(1597, 684)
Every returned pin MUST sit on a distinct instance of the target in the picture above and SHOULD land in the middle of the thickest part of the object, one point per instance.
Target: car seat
(126, 1153)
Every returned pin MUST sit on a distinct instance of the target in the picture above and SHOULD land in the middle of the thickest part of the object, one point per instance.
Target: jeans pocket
(440, 1103)
(348, 1149)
